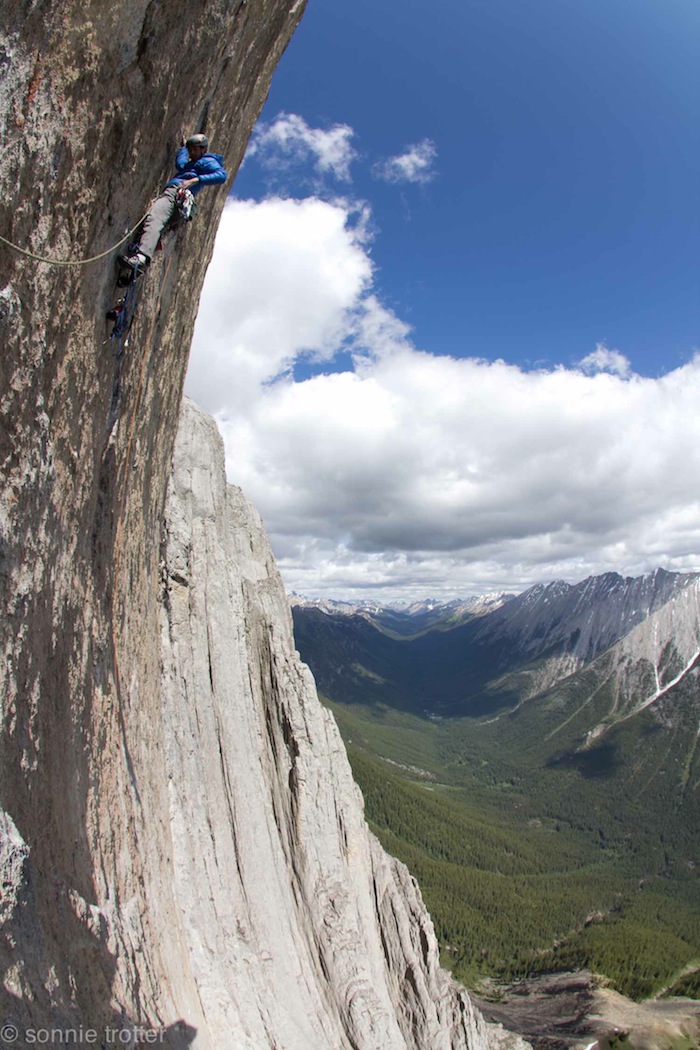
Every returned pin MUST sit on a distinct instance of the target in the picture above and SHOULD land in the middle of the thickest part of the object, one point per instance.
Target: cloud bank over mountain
(381, 466)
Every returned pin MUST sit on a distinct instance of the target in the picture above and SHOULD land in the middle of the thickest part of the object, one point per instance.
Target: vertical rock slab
(94, 98)
(301, 931)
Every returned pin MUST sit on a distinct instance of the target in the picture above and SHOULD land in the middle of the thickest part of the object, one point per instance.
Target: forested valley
(525, 870)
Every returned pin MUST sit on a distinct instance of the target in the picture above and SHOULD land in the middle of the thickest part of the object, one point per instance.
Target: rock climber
(196, 168)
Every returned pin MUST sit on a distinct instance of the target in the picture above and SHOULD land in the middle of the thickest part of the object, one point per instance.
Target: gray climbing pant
(156, 221)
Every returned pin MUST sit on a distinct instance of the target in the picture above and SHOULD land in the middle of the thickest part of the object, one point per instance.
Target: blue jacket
(208, 169)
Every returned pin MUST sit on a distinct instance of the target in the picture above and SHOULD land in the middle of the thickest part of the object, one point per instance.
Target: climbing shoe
(137, 261)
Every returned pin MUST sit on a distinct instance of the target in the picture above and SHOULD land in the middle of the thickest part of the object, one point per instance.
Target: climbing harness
(74, 262)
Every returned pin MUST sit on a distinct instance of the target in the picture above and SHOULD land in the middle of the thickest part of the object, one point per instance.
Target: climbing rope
(74, 262)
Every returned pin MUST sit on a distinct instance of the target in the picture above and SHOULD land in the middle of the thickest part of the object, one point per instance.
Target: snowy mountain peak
(475, 604)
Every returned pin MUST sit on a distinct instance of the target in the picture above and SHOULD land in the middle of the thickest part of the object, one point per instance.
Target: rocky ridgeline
(192, 868)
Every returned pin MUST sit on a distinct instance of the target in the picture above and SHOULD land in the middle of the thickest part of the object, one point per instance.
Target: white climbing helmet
(198, 140)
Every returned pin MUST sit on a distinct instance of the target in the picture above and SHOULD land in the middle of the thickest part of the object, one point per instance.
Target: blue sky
(565, 207)
(450, 327)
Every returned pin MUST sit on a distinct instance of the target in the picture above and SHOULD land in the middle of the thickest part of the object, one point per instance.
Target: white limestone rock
(302, 933)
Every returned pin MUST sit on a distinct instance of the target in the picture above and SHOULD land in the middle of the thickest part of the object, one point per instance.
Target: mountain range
(561, 664)
(570, 708)
(406, 619)
(481, 654)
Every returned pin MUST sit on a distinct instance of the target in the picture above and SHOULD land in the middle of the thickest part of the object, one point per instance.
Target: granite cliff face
(114, 909)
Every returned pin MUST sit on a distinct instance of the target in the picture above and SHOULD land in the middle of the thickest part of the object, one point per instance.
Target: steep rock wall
(305, 933)
(131, 895)
(94, 98)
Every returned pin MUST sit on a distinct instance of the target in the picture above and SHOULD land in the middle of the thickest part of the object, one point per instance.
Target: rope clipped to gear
(73, 262)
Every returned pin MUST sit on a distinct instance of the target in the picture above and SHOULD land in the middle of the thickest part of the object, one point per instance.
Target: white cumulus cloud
(415, 164)
(285, 280)
(404, 472)
(288, 140)
(603, 360)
